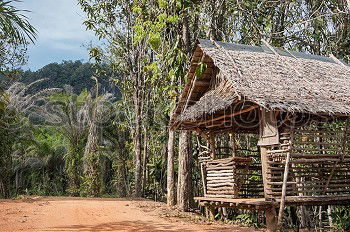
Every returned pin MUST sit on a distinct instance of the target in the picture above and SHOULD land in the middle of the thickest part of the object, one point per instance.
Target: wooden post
(264, 171)
(233, 143)
(211, 212)
(270, 213)
(269, 136)
(212, 145)
(285, 179)
(271, 219)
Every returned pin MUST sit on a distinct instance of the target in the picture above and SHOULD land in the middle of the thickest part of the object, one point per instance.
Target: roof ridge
(256, 48)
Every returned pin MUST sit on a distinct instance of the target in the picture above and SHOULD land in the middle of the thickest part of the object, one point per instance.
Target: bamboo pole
(284, 190)
(284, 186)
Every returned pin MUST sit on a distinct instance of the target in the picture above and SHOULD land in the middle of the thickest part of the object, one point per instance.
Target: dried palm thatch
(219, 96)
(278, 79)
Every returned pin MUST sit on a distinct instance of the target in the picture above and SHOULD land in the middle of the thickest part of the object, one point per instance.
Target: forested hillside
(74, 73)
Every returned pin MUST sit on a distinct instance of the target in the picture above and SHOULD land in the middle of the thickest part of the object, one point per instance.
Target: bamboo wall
(234, 177)
(319, 162)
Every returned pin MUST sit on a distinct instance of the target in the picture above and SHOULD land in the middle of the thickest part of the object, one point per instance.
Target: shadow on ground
(127, 226)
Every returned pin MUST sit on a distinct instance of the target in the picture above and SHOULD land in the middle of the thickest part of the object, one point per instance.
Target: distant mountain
(74, 73)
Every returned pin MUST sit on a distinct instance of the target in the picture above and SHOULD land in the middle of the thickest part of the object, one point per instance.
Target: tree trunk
(145, 116)
(186, 33)
(184, 178)
(190, 174)
(92, 161)
(144, 161)
(122, 178)
(137, 143)
(170, 170)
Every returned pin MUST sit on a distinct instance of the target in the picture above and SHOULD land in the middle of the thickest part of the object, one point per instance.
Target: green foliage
(73, 73)
(73, 116)
(200, 69)
(247, 219)
(14, 24)
(9, 137)
(15, 34)
(91, 185)
(39, 170)
(146, 53)
(154, 40)
(341, 217)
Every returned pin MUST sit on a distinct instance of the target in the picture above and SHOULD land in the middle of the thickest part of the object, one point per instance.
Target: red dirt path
(79, 214)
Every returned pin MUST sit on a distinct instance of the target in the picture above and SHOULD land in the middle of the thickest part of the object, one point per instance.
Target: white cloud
(57, 19)
(60, 28)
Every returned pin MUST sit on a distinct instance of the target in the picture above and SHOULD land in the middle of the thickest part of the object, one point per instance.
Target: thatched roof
(218, 97)
(287, 81)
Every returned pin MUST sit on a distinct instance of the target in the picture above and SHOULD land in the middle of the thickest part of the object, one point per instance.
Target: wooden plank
(284, 189)
(203, 172)
(268, 136)
(314, 161)
(268, 128)
(252, 201)
(229, 115)
(315, 143)
(297, 200)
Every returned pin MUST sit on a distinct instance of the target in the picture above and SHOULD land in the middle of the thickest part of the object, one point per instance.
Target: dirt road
(77, 214)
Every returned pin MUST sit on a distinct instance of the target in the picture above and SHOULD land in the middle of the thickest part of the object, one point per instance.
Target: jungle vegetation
(101, 129)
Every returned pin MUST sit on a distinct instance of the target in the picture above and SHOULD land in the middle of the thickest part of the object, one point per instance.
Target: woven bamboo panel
(319, 164)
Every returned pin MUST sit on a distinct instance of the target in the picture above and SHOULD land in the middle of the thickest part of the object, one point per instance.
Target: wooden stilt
(211, 212)
(269, 136)
(206, 210)
(271, 222)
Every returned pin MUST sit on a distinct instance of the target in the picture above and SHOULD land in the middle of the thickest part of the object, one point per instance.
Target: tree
(74, 73)
(15, 108)
(171, 201)
(14, 25)
(185, 173)
(92, 156)
(125, 56)
(68, 114)
(149, 45)
(15, 34)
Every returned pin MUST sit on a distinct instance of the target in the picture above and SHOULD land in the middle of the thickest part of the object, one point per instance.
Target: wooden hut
(297, 106)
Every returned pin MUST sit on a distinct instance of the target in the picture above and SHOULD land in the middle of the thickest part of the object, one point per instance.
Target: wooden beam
(202, 133)
(230, 115)
(204, 83)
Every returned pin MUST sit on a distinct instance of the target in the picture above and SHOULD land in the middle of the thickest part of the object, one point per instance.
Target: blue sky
(61, 34)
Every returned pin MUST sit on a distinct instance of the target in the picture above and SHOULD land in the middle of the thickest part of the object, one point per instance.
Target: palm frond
(14, 24)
